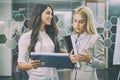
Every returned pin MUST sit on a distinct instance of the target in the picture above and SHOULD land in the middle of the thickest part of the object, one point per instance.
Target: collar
(81, 36)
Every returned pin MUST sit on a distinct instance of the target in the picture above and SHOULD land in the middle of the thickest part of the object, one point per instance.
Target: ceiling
(57, 4)
(25, 6)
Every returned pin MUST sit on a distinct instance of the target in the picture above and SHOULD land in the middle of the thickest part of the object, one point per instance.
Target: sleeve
(98, 60)
(23, 49)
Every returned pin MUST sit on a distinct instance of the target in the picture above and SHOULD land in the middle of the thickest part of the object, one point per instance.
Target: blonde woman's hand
(73, 57)
(85, 56)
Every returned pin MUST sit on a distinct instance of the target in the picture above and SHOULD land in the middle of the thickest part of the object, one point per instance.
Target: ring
(42, 63)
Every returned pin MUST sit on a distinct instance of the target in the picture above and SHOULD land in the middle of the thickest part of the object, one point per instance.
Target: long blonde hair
(87, 14)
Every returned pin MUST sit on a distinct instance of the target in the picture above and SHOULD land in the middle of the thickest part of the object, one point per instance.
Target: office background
(14, 15)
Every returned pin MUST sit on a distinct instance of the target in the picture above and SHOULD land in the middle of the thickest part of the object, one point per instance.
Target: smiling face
(47, 16)
(79, 24)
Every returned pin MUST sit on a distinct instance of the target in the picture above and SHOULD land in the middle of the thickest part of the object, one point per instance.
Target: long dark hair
(34, 24)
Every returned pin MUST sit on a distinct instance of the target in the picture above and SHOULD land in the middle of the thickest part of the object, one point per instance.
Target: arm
(24, 66)
(98, 58)
(95, 55)
(32, 64)
(24, 63)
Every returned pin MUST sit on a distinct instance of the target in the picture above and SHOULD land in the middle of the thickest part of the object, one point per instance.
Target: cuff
(91, 61)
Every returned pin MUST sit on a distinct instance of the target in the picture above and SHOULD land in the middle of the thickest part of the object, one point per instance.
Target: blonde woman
(89, 46)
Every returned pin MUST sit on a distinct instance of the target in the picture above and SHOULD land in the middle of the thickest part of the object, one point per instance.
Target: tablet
(57, 60)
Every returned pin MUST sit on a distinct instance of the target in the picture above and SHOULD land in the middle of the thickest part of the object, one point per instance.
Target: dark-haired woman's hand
(36, 63)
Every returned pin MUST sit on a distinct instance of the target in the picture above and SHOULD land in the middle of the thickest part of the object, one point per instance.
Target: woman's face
(79, 24)
(47, 16)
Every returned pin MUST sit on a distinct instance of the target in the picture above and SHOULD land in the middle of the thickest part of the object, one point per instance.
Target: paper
(116, 56)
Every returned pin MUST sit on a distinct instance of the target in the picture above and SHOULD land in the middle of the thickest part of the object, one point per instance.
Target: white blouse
(44, 45)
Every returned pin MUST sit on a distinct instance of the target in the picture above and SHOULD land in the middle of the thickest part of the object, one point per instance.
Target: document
(57, 60)
(116, 56)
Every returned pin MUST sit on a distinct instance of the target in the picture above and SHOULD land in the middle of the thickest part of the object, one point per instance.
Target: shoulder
(96, 37)
(74, 35)
(25, 36)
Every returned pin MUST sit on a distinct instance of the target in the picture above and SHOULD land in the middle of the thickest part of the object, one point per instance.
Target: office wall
(5, 51)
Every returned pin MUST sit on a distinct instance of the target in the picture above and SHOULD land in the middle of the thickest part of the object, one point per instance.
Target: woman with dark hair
(41, 38)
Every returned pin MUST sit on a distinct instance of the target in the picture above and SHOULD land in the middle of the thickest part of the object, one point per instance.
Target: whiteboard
(116, 56)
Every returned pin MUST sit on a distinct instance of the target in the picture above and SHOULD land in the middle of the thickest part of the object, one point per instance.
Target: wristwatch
(91, 61)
